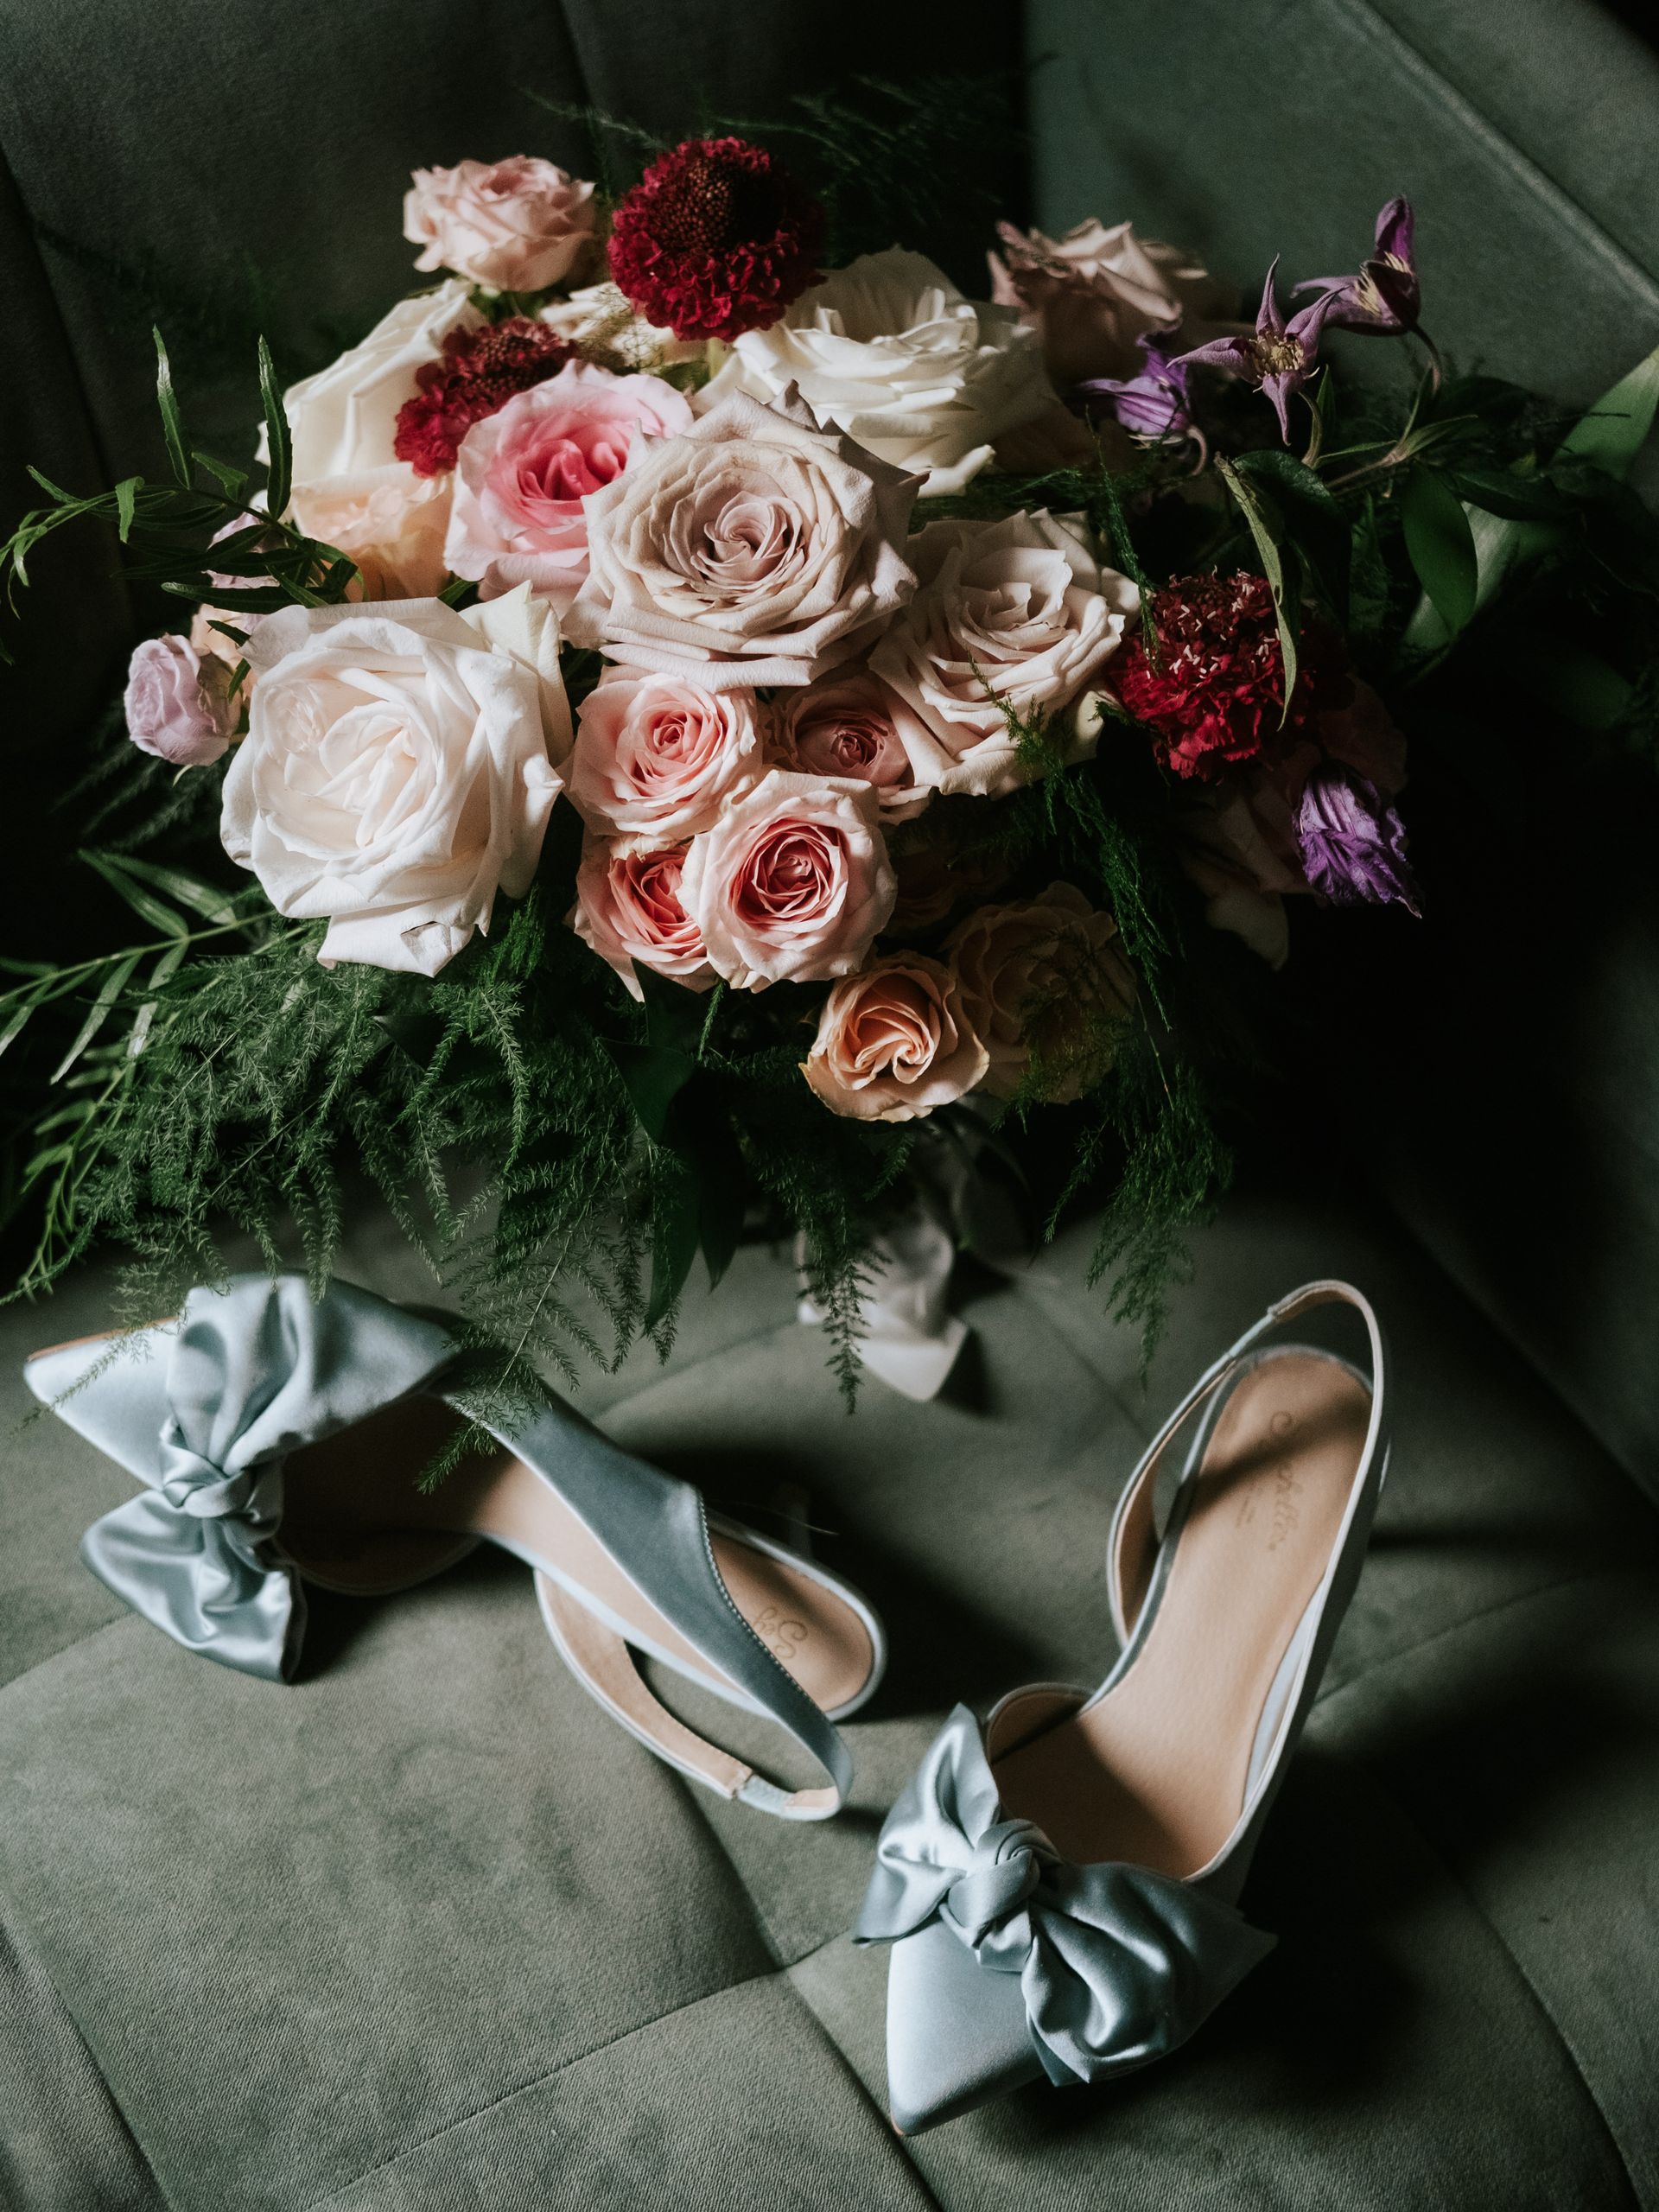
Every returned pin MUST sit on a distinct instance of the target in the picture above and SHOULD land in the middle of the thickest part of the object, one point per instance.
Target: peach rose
(517, 226)
(1044, 986)
(755, 549)
(1018, 612)
(894, 1043)
(847, 724)
(792, 882)
(1093, 292)
(523, 473)
(657, 757)
(628, 909)
(389, 521)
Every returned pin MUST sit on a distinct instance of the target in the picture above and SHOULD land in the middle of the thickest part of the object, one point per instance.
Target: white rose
(398, 770)
(889, 350)
(1017, 613)
(350, 489)
(755, 549)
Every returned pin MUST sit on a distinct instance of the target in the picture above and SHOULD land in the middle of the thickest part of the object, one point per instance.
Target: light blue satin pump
(278, 1441)
(1060, 1890)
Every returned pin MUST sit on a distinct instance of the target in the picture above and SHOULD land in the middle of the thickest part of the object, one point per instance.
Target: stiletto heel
(278, 1441)
(1060, 1892)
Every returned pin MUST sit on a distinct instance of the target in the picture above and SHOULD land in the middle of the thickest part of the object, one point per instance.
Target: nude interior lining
(1154, 1772)
(353, 1516)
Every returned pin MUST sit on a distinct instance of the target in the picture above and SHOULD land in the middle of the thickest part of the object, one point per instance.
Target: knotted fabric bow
(253, 1372)
(1117, 1965)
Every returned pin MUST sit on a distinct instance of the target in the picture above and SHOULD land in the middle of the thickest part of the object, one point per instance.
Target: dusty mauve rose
(657, 757)
(894, 1042)
(628, 909)
(890, 351)
(517, 226)
(398, 770)
(522, 475)
(1018, 608)
(1093, 292)
(755, 549)
(848, 724)
(792, 882)
(938, 875)
(178, 704)
(1044, 985)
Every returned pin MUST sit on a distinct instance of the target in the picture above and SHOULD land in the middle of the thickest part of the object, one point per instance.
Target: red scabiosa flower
(715, 238)
(481, 370)
(1214, 696)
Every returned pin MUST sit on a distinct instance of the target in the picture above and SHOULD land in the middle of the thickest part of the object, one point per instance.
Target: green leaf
(182, 885)
(167, 399)
(280, 469)
(676, 1215)
(1441, 546)
(1265, 517)
(13, 1029)
(1312, 518)
(113, 869)
(673, 1014)
(126, 494)
(231, 481)
(1579, 685)
(653, 1076)
(114, 983)
(1616, 429)
(1502, 491)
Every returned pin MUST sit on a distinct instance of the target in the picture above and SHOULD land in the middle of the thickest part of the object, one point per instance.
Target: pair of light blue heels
(1059, 1889)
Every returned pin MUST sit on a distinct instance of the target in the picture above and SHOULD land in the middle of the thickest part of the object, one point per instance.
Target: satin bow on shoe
(1116, 1965)
(204, 1420)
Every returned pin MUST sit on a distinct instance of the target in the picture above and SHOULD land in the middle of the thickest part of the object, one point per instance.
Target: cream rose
(628, 910)
(894, 1043)
(1045, 987)
(1089, 295)
(1019, 608)
(398, 770)
(524, 476)
(656, 758)
(350, 489)
(755, 549)
(517, 226)
(890, 351)
(792, 882)
(848, 724)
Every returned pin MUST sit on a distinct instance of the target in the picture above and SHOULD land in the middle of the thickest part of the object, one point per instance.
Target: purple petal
(1278, 388)
(1235, 353)
(1353, 843)
(1393, 230)
(1269, 323)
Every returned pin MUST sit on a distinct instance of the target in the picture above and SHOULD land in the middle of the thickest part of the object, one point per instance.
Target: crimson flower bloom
(715, 238)
(480, 371)
(1385, 298)
(1278, 357)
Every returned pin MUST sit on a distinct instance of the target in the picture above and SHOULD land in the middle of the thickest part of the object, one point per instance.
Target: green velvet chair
(425, 1930)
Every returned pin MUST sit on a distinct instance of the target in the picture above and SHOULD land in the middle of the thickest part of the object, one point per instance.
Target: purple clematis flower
(1353, 843)
(1279, 357)
(1385, 298)
(1151, 404)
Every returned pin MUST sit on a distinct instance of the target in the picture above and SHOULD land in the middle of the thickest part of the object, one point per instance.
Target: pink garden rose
(517, 226)
(793, 881)
(848, 724)
(894, 1042)
(178, 702)
(523, 473)
(628, 909)
(1045, 987)
(1093, 292)
(657, 757)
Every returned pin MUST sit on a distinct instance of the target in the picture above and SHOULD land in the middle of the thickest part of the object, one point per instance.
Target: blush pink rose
(894, 1043)
(178, 704)
(792, 882)
(1093, 292)
(517, 226)
(657, 757)
(522, 475)
(628, 909)
(850, 724)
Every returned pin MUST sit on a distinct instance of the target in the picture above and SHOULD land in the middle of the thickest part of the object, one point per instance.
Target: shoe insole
(1153, 1771)
(353, 1517)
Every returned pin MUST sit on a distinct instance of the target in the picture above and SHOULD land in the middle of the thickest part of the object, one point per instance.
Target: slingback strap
(1132, 1544)
(604, 1663)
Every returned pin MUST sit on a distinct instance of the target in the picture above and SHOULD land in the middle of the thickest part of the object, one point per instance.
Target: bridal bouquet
(717, 732)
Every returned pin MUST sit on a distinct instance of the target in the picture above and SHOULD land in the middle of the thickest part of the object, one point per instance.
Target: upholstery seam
(46, 1659)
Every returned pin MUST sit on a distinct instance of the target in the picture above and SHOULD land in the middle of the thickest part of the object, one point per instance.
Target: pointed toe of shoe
(112, 1391)
(956, 2033)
